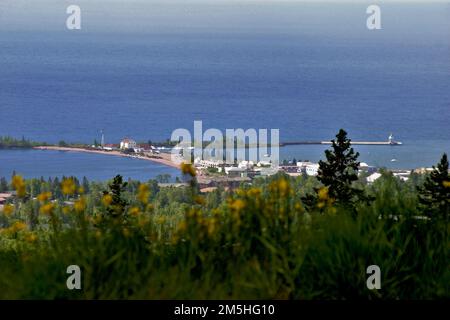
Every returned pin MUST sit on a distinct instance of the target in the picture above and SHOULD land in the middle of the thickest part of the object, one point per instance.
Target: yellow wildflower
(283, 186)
(143, 188)
(199, 200)
(211, 226)
(17, 181)
(18, 226)
(30, 237)
(237, 205)
(134, 211)
(97, 219)
(323, 194)
(143, 193)
(161, 220)
(80, 190)
(21, 191)
(44, 196)
(107, 200)
(68, 186)
(80, 205)
(126, 232)
(254, 192)
(8, 209)
(187, 168)
(47, 208)
(66, 210)
(142, 222)
(143, 198)
(19, 185)
(182, 226)
(446, 184)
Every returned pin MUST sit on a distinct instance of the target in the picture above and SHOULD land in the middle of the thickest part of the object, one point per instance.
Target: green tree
(434, 194)
(55, 187)
(62, 143)
(118, 204)
(3, 185)
(85, 185)
(340, 171)
(163, 178)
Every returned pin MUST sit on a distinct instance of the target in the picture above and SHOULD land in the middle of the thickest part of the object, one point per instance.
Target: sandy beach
(163, 158)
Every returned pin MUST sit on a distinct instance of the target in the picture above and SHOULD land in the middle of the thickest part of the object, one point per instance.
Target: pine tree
(118, 204)
(55, 186)
(340, 170)
(434, 194)
(3, 185)
(85, 185)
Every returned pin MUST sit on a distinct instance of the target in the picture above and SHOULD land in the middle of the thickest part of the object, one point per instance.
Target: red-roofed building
(128, 143)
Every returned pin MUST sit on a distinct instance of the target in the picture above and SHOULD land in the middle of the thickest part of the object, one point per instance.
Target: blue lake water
(49, 163)
(144, 69)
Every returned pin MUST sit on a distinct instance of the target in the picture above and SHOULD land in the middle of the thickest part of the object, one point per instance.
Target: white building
(235, 172)
(312, 169)
(302, 164)
(373, 177)
(363, 166)
(201, 163)
(404, 176)
(246, 164)
(128, 144)
(264, 163)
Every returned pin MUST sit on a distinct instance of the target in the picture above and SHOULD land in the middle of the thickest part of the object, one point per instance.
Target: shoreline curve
(163, 158)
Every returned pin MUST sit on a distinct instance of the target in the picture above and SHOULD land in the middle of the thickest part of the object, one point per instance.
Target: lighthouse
(102, 142)
(391, 139)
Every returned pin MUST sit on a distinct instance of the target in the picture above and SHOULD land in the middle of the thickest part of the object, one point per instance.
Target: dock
(369, 143)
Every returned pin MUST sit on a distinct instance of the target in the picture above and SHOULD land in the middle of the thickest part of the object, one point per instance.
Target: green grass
(256, 243)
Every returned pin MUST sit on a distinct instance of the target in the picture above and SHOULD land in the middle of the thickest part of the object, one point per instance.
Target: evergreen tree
(3, 185)
(340, 170)
(85, 185)
(434, 194)
(55, 187)
(118, 203)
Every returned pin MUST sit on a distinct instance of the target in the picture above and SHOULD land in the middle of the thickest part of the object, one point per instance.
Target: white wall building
(200, 163)
(128, 144)
(246, 164)
(373, 177)
(312, 169)
(236, 172)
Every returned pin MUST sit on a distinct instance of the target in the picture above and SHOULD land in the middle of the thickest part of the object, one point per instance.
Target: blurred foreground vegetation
(278, 238)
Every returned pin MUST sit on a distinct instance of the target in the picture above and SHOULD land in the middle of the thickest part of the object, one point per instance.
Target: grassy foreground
(256, 242)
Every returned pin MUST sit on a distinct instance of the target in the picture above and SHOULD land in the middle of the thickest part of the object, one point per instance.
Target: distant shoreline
(163, 158)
